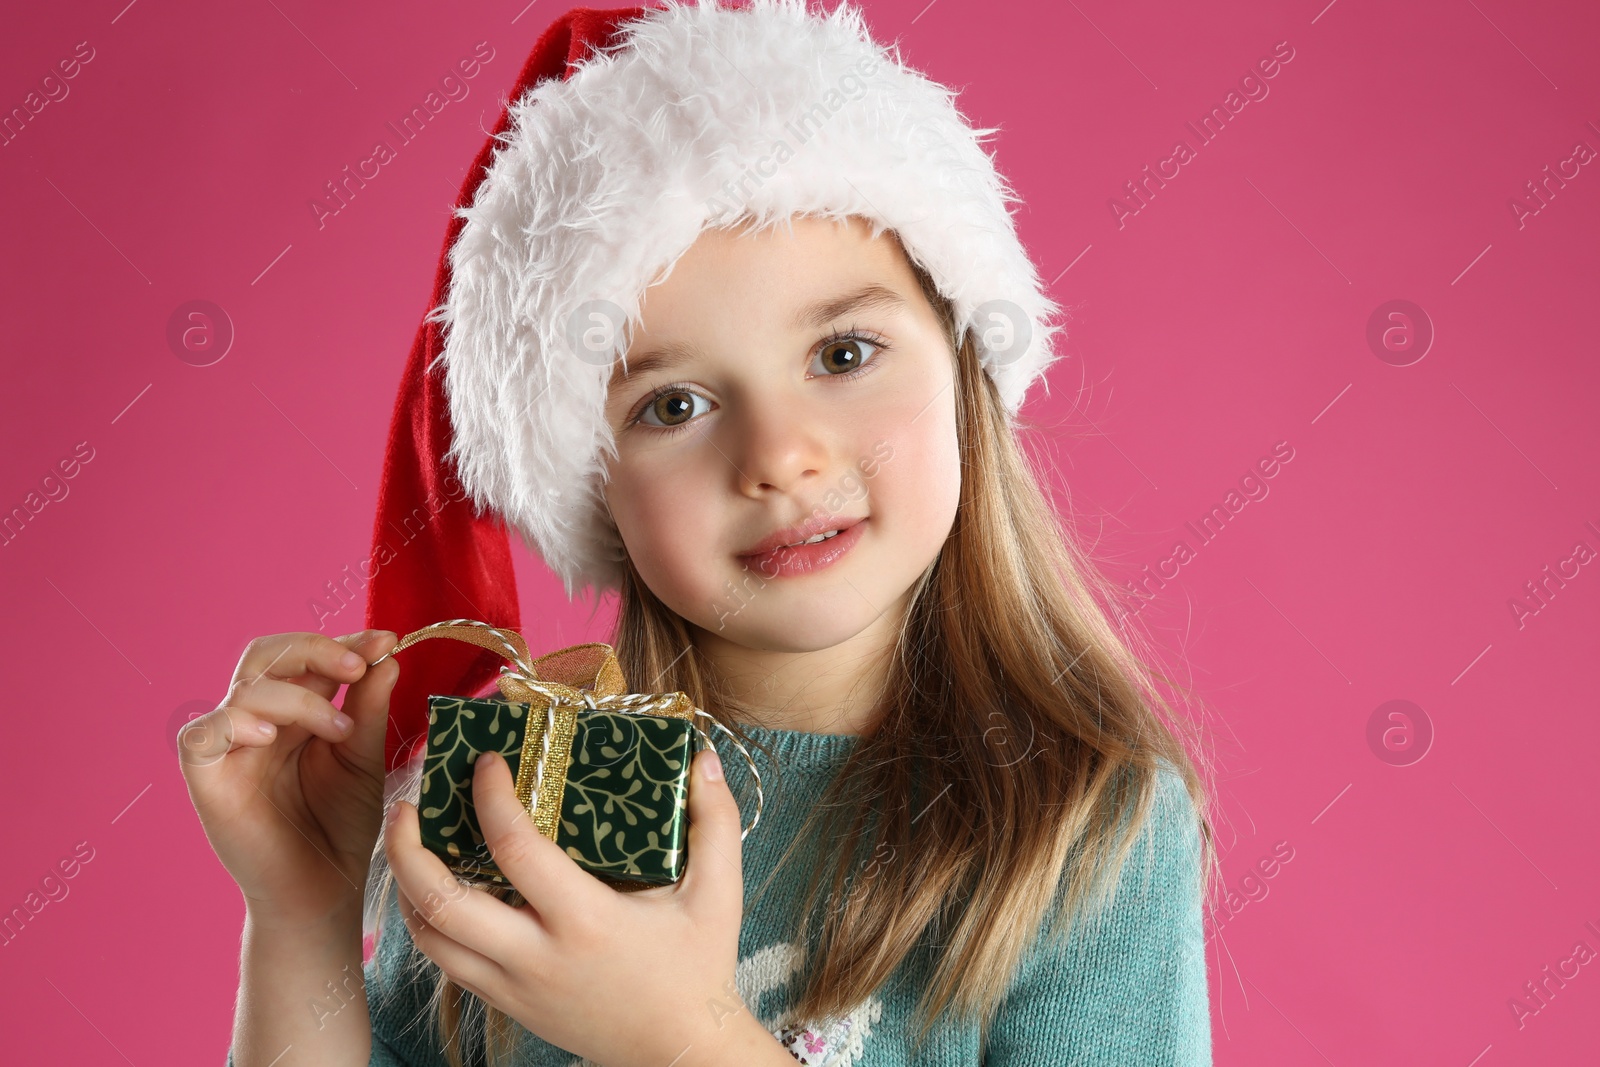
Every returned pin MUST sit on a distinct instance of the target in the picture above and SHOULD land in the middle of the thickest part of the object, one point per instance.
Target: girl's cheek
(912, 477)
(924, 458)
(669, 520)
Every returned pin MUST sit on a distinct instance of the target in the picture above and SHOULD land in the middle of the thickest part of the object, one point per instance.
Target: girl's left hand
(622, 979)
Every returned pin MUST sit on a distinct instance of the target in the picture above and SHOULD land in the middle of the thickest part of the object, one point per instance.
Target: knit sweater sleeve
(1129, 986)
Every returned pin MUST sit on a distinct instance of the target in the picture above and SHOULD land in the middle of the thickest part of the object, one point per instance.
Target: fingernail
(266, 728)
(343, 722)
(483, 760)
(713, 768)
(350, 661)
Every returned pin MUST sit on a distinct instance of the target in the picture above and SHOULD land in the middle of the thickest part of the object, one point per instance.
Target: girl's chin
(775, 622)
(777, 641)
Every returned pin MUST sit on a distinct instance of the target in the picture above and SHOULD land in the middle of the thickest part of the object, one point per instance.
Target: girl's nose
(775, 447)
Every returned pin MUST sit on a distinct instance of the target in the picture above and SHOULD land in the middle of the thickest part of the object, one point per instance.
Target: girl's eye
(847, 352)
(672, 407)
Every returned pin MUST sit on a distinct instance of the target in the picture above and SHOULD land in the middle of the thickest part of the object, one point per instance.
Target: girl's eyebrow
(870, 296)
(668, 354)
(810, 317)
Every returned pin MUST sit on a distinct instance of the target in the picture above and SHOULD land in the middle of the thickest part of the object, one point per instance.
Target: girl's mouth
(812, 555)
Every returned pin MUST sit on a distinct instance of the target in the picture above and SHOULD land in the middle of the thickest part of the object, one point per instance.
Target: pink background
(1227, 315)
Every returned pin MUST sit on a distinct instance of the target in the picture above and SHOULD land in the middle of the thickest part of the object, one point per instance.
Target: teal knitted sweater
(1127, 990)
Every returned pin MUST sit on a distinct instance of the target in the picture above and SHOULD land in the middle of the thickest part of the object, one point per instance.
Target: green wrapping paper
(603, 772)
(618, 780)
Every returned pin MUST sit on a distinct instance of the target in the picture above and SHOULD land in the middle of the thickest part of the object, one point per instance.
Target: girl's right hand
(292, 801)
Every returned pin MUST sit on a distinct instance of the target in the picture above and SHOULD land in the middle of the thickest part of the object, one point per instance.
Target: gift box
(614, 792)
(603, 773)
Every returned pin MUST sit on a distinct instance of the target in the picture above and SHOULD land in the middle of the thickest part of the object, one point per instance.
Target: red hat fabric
(437, 556)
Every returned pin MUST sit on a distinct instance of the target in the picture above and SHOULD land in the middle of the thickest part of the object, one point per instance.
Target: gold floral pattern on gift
(615, 792)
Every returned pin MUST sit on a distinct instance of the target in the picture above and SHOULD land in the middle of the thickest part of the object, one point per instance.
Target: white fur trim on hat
(700, 115)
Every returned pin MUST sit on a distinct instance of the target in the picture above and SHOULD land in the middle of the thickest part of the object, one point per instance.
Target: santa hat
(628, 133)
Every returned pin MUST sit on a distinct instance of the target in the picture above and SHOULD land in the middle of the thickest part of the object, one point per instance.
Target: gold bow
(560, 684)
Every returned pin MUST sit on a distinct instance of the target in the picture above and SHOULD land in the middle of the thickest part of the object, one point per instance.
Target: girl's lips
(803, 559)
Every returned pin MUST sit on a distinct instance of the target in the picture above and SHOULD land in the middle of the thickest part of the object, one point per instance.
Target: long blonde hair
(1005, 636)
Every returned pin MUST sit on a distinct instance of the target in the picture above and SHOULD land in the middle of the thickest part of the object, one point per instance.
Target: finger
(483, 929)
(300, 703)
(328, 687)
(367, 699)
(288, 704)
(548, 879)
(203, 741)
(296, 655)
(714, 880)
(464, 966)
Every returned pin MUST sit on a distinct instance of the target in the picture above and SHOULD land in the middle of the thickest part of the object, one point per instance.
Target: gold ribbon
(556, 687)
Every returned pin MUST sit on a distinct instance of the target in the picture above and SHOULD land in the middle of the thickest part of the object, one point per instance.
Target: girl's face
(810, 380)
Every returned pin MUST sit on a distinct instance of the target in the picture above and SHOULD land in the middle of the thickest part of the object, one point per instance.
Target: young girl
(734, 321)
